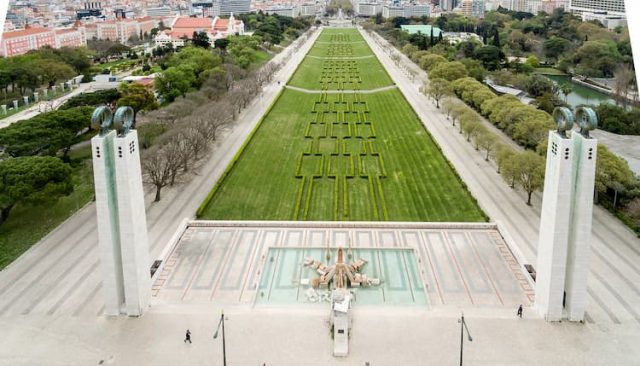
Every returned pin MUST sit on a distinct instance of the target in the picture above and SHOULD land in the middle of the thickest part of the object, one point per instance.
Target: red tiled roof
(65, 30)
(193, 23)
(24, 32)
(222, 24)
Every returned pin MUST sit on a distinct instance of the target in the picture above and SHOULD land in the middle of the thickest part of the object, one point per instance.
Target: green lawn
(371, 74)
(28, 224)
(342, 156)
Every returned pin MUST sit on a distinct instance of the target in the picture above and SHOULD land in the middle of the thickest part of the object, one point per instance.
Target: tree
(496, 37)
(138, 97)
(470, 125)
(566, 89)
(490, 56)
(530, 172)
(449, 71)
(46, 133)
(509, 168)
(612, 172)
(221, 43)
(502, 153)
(486, 140)
(597, 59)
(429, 61)
(480, 96)
(159, 165)
(32, 179)
(438, 89)
(475, 69)
(624, 77)
(538, 85)
(448, 105)
(174, 82)
(533, 61)
(201, 39)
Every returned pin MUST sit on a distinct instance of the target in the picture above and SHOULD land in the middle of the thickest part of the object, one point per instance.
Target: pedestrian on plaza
(187, 336)
(520, 311)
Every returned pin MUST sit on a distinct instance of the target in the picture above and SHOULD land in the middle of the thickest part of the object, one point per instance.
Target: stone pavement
(614, 282)
(454, 265)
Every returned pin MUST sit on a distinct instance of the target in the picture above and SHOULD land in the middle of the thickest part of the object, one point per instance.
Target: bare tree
(158, 165)
(623, 78)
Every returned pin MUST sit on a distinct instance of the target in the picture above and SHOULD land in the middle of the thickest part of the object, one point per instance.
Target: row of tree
(193, 124)
(43, 67)
(273, 28)
(190, 125)
(528, 126)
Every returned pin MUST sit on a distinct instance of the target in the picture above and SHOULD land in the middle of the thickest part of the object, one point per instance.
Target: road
(614, 283)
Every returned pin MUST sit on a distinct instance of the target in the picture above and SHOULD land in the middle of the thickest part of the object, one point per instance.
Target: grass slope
(28, 224)
(343, 156)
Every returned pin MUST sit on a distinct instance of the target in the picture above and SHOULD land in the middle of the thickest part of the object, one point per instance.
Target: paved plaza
(51, 297)
(235, 263)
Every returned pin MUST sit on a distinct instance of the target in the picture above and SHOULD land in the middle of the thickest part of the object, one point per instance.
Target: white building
(285, 11)
(405, 10)
(184, 27)
(457, 37)
(518, 5)
(310, 9)
(161, 11)
(613, 7)
(368, 9)
(534, 6)
(607, 20)
(478, 8)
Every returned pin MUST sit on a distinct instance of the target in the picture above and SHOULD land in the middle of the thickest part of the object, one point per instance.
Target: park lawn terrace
(341, 156)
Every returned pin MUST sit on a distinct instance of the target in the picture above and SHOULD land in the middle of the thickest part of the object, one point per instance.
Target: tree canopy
(33, 179)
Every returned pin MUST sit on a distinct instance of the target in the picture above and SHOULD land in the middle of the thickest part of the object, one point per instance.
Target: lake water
(581, 94)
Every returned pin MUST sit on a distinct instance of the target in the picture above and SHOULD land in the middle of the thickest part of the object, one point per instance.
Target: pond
(581, 94)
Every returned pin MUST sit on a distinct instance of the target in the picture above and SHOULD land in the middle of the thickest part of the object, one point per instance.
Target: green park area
(341, 155)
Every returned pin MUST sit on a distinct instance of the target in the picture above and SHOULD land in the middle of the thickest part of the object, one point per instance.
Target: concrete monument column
(4, 109)
(15, 104)
(26, 100)
(122, 227)
(35, 97)
(565, 223)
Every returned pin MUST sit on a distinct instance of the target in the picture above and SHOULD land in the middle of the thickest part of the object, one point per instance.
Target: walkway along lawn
(341, 156)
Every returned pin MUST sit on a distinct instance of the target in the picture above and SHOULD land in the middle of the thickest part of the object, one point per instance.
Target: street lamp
(463, 326)
(215, 335)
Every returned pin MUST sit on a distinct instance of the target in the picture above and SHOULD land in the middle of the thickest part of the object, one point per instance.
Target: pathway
(614, 284)
(334, 91)
(625, 146)
(340, 58)
(60, 274)
(34, 110)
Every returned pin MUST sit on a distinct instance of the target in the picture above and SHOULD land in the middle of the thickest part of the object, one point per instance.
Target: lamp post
(215, 335)
(463, 326)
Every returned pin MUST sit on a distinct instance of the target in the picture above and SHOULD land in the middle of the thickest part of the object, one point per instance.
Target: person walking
(187, 336)
(520, 311)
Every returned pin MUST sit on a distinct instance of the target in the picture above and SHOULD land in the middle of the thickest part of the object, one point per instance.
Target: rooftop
(185, 22)
(421, 28)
